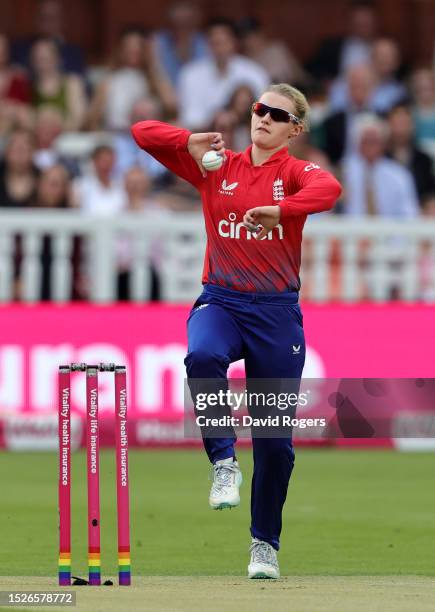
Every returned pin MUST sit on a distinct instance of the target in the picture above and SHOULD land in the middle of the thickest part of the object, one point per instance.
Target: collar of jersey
(276, 158)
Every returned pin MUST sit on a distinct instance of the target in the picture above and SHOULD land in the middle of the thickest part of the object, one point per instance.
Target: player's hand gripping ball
(212, 161)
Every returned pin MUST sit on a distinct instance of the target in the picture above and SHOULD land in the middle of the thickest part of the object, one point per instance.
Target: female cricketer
(255, 206)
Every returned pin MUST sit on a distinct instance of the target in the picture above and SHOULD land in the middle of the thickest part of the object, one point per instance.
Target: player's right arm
(176, 148)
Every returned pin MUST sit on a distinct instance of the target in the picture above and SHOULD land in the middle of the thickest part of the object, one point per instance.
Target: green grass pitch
(352, 513)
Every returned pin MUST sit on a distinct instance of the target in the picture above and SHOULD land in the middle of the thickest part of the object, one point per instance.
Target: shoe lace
(262, 552)
(223, 475)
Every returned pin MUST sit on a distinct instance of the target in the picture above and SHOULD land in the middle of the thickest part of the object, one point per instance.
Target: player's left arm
(315, 191)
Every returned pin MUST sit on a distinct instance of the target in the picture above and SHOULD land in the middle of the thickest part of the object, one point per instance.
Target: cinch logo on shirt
(227, 189)
(311, 167)
(233, 230)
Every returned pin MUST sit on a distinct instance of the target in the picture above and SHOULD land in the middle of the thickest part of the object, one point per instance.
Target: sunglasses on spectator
(276, 114)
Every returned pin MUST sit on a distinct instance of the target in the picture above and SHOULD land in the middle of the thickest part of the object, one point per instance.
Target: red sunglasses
(276, 114)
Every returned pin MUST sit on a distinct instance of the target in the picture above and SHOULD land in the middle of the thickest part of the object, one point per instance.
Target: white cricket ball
(212, 161)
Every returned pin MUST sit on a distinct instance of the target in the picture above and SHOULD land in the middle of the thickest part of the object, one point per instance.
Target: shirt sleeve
(168, 144)
(315, 191)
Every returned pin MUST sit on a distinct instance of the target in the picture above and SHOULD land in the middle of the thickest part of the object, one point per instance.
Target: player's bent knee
(204, 362)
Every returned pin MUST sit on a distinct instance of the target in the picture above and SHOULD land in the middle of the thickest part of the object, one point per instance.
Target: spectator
(339, 128)
(18, 180)
(139, 201)
(136, 74)
(207, 85)
(235, 120)
(14, 91)
(386, 62)
(274, 55)
(49, 24)
(54, 192)
(18, 175)
(52, 87)
(423, 91)
(138, 187)
(403, 149)
(428, 205)
(161, 86)
(97, 192)
(14, 85)
(128, 153)
(387, 90)
(53, 189)
(48, 126)
(374, 184)
(336, 55)
(181, 42)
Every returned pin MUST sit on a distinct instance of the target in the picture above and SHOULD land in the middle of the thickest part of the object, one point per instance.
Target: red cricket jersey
(234, 258)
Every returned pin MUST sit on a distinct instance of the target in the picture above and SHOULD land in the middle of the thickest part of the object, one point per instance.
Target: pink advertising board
(343, 341)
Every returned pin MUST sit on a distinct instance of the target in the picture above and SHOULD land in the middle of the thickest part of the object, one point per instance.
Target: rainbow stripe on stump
(94, 567)
(64, 568)
(124, 567)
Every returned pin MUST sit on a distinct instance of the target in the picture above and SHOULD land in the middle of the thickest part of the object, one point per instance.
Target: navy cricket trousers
(266, 331)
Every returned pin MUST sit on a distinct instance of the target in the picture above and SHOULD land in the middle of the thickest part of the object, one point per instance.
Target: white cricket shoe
(227, 479)
(264, 562)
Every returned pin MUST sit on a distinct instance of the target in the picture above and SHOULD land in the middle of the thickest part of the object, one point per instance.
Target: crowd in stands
(64, 125)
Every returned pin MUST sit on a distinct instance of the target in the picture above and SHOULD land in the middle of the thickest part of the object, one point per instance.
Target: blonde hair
(302, 108)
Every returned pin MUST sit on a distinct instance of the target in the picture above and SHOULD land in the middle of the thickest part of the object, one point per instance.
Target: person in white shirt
(374, 184)
(135, 73)
(97, 192)
(378, 187)
(206, 85)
